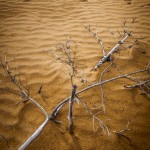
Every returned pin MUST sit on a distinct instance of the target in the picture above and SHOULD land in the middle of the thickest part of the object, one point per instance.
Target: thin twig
(121, 133)
(23, 92)
(95, 118)
(113, 34)
(101, 79)
(99, 40)
(139, 84)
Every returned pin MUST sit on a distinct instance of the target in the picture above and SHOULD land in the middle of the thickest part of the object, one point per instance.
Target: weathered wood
(106, 57)
(70, 113)
(34, 135)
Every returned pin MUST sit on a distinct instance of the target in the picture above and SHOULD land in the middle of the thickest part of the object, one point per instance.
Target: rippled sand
(28, 30)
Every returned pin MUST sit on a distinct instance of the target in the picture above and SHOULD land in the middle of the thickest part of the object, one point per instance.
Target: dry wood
(34, 135)
(126, 34)
(95, 35)
(139, 84)
(102, 89)
(107, 57)
(70, 113)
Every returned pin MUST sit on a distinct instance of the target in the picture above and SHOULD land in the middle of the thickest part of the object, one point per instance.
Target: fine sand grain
(28, 30)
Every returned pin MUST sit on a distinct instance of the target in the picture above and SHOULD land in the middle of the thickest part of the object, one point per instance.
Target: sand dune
(28, 31)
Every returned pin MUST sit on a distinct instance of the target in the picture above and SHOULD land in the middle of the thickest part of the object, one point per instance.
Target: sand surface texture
(29, 29)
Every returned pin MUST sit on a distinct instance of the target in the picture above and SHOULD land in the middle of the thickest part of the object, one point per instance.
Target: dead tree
(54, 113)
(127, 32)
(64, 55)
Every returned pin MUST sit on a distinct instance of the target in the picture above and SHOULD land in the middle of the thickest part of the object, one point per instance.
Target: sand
(28, 30)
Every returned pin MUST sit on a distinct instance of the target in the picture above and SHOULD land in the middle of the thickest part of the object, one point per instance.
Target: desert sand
(28, 31)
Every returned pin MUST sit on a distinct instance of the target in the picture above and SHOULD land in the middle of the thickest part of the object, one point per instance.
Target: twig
(40, 89)
(23, 93)
(68, 46)
(112, 33)
(65, 56)
(123, 25)
(99, 40)
(109, 80)
(95, 118)
(103, 95)
(121, 133)
(124, 130)
(139, 84)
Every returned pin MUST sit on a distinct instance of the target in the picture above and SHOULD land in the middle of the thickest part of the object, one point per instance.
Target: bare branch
(113, 34)
(139, 84)
(70, 113)
(101, 79)
(106, 57)
(34, 135)
(65, 56)
(23, 94)
(127, 33)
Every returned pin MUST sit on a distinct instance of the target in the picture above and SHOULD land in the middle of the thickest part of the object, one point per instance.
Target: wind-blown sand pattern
(28, 30)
